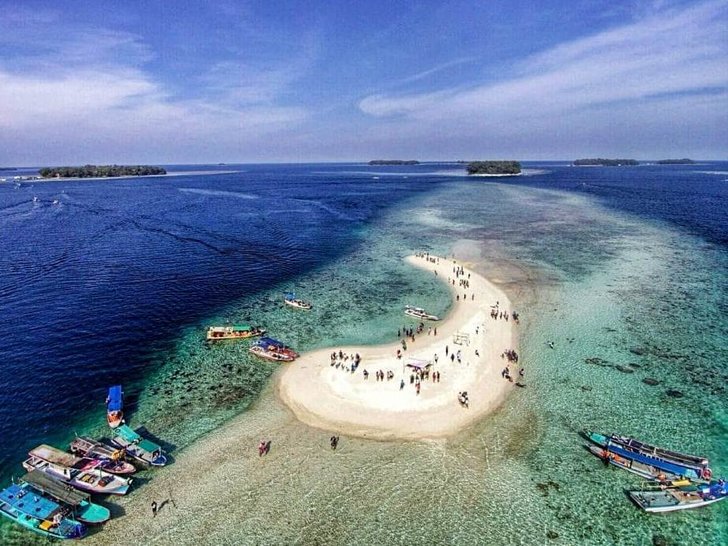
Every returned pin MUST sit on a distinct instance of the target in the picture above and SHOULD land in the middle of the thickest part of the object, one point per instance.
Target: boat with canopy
(37, 513)
(81, 473)
(78, 501)
(236, 331)
(420, 313)
(111, 458)
(293, 301)
(272, 349)
(139, 448)
(114, 406)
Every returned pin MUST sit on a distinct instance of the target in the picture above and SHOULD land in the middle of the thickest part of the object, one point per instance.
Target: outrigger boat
(669, 499)
(419, 313)
(236, 331)
(37, 513)
(617, 453)
(684, 459)
(82, 508)
(645, 471)
(111, 458)
(272, 349)
(114, 406)
(80, 473)
(291, 300)
(139, 448)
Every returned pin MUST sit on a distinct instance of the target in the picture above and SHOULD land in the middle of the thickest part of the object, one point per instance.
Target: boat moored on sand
(418, 312)
(139, 448)
(79, 502)
(81, 473)
(236, 331)
(21, 504)
(114, 406)
(293, 301)
(110, 458)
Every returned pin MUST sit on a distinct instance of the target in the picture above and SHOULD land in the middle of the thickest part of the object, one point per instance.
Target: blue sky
(229, 81)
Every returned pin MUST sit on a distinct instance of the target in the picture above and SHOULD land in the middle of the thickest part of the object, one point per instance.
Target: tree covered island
(683, 161)
(494, 168)
(601, 162)
(100, 171)
(394, 162)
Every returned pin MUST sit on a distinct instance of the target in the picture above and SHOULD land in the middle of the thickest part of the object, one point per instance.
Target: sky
(162, 82)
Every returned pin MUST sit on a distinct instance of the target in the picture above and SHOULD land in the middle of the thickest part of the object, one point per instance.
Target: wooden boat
(669, 499)
(418, 312)
(272, 349)
(110, 458)
(80, 473)
(683, 459)
(291, 300)
(236, 331)
(139, 448)
(645, 471)
(79, 502)
(665, 467)
(19, 503)
(114, 406)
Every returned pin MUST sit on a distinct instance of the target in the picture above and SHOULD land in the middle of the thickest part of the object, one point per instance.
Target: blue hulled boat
(27, 507)
(647, 462)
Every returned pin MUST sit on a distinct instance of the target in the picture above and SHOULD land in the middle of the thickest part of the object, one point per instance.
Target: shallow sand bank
(331, 398)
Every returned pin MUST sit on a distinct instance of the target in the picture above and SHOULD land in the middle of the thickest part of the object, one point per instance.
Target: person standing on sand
(154, 509)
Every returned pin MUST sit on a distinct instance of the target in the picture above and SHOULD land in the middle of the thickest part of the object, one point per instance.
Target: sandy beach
(466, 351)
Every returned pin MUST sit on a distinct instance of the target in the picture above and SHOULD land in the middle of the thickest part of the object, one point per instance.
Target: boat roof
(127, 433)
(54, 455)
(55, 488)
(24, 501)
(148, 445)
(115, 398)
(270, 341)
(235, 327)
(131, 436)
(97, 448)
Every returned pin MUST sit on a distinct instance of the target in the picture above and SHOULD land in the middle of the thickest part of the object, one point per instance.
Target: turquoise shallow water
(622, 299)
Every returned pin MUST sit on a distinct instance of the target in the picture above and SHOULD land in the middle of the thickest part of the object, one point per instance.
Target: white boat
(419, 313)
(679, 498)
(297, 303)
(80, 473)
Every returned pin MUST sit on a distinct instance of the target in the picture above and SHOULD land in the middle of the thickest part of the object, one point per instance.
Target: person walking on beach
(261, 448)
(154, 509)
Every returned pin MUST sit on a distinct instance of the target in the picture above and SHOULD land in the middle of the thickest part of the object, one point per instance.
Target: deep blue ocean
(99, 279)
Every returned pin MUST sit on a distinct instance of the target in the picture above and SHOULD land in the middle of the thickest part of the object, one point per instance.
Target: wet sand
(334, 399)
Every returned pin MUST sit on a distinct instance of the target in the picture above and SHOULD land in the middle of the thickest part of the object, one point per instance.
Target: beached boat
(272, 349)
(114, 406)
(419, 313)
(683, 459)
(670, 469)
(293, 301)
(39, 514)
(110, 458)
(81, 473)
(686, 497)
(79, 502)
(139, 448)
(236, 331)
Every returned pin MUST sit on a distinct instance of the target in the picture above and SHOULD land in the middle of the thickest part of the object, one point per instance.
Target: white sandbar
(333, 399)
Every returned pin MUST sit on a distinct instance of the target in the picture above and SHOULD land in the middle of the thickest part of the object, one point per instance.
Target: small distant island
(394, 162)
(100, 171)
(601, 162)
(494, 168)
(684, 161)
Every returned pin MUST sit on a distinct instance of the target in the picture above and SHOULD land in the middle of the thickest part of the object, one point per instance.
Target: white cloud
(673, 52)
